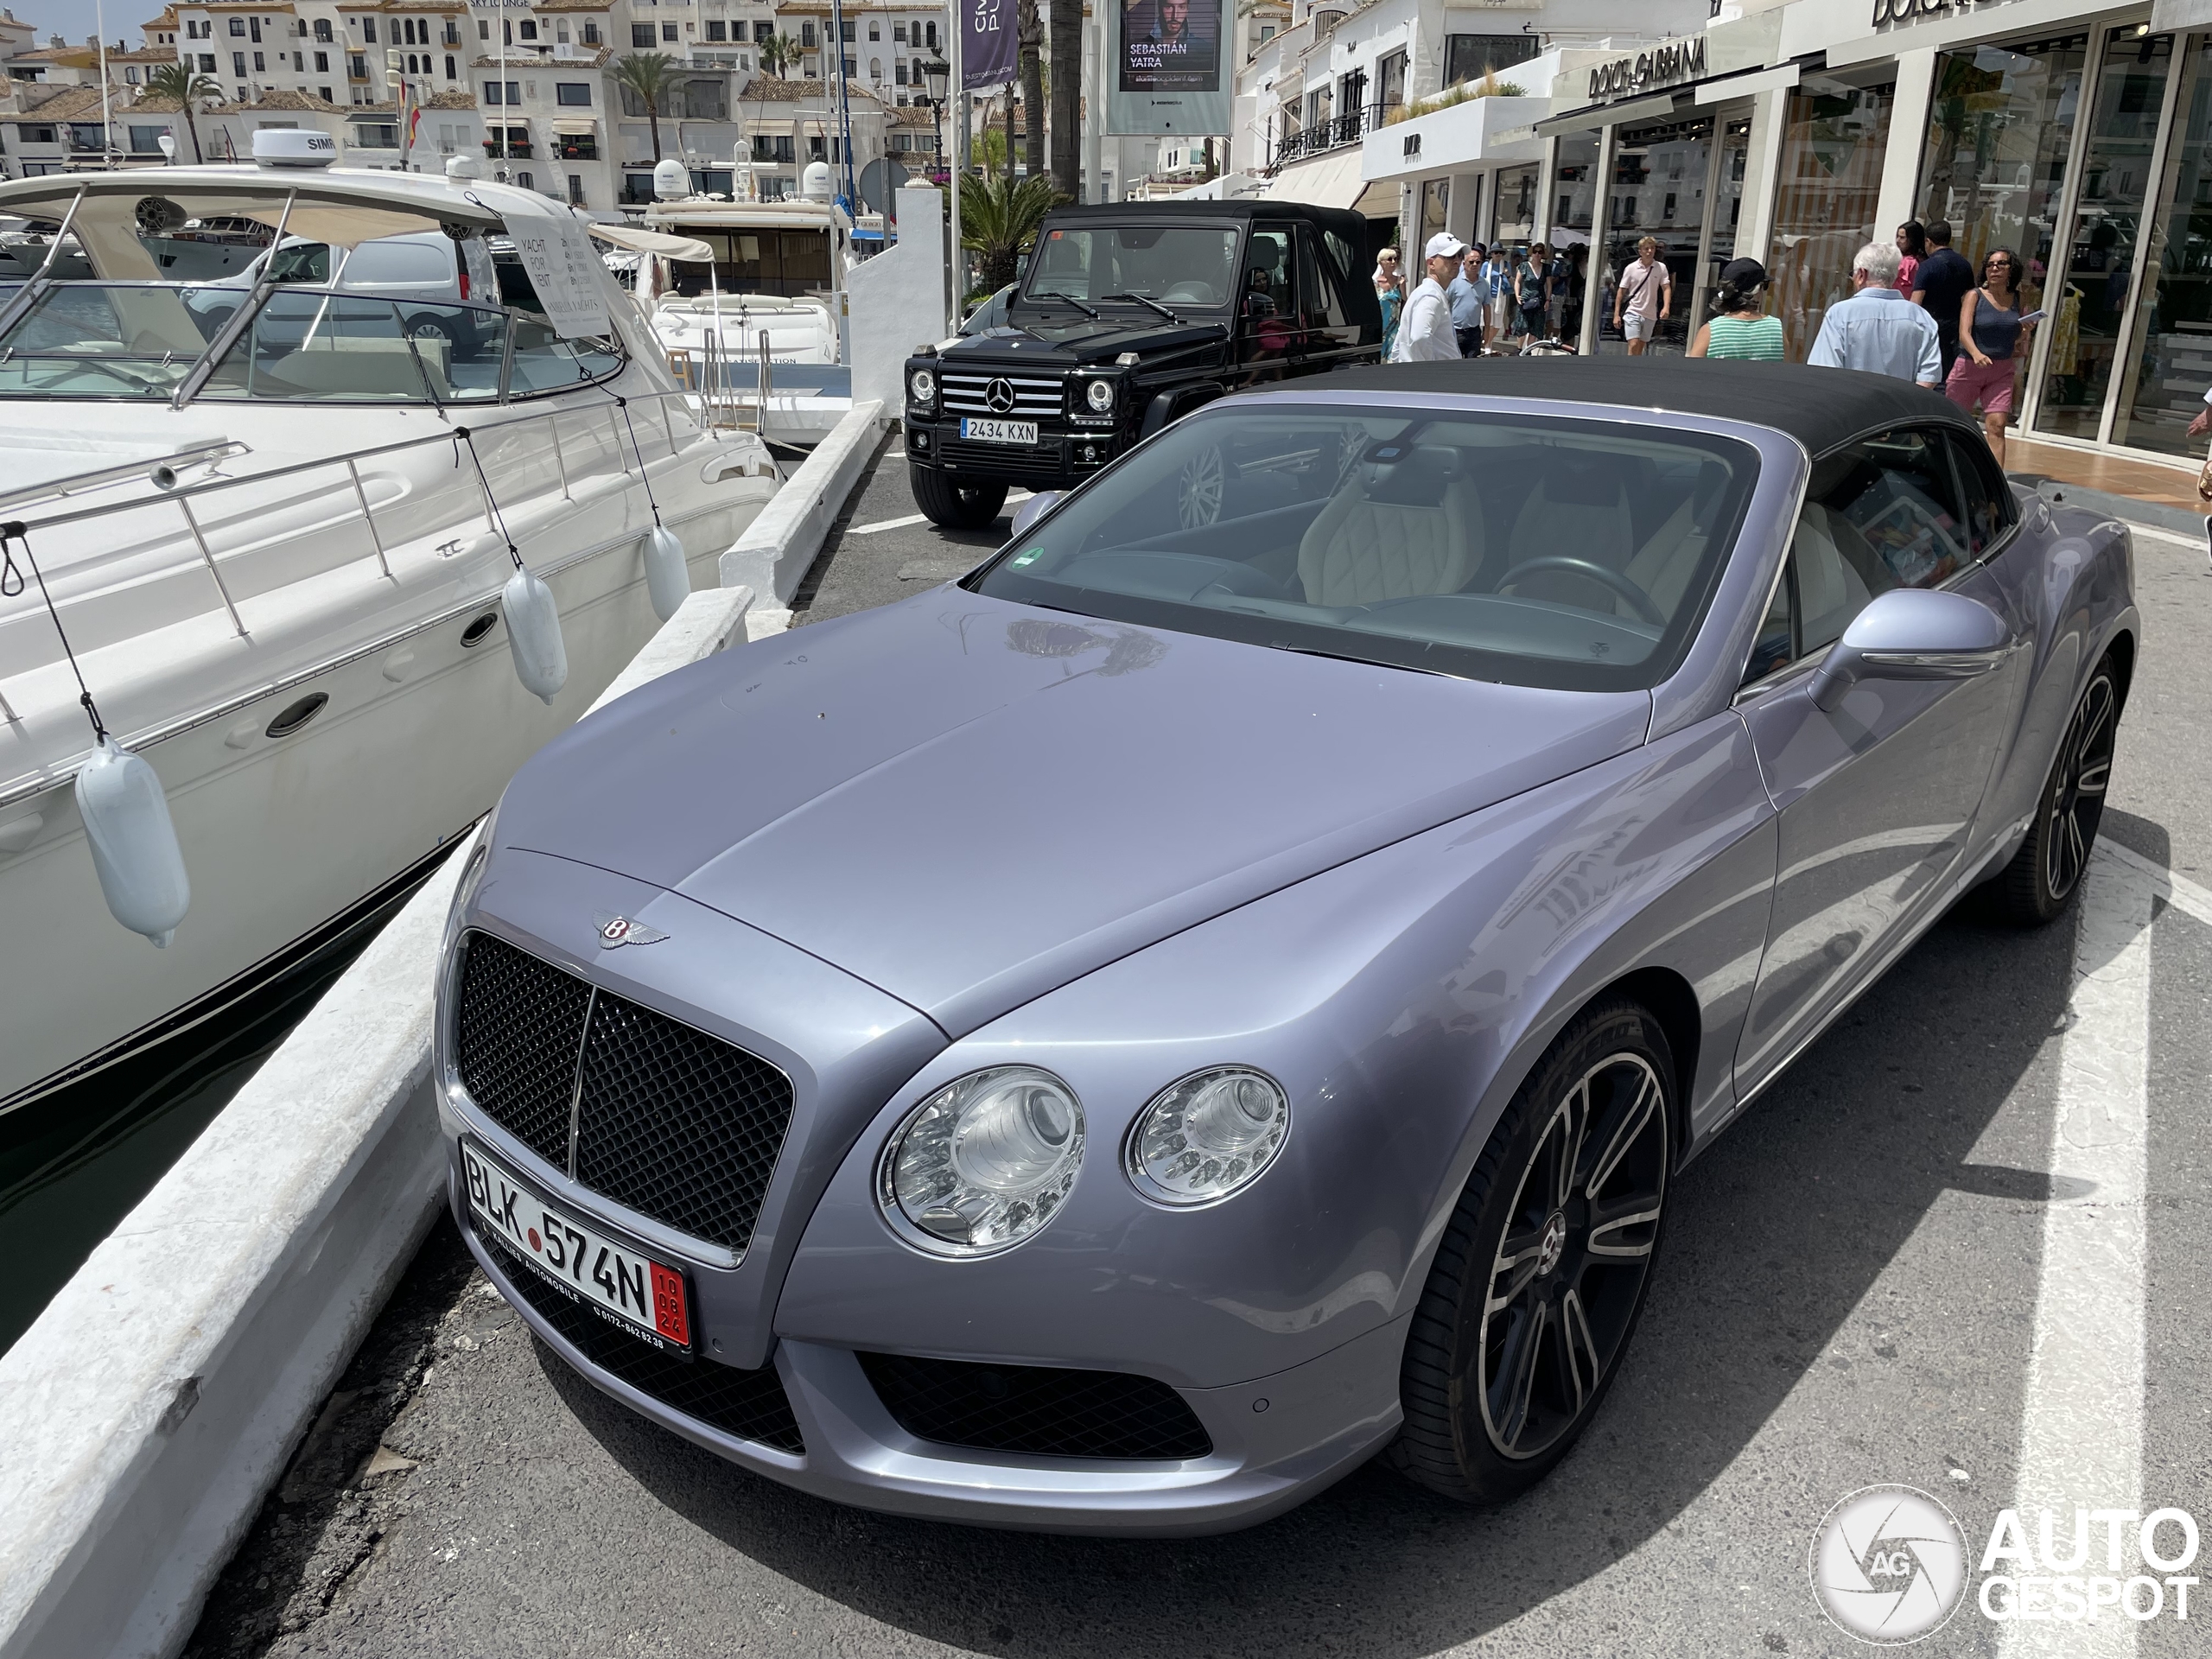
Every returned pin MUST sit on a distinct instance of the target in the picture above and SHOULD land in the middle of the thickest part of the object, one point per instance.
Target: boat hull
(283, 835)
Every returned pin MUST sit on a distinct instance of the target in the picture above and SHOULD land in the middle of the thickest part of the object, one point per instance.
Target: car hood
(1065, 342)
(968, 803)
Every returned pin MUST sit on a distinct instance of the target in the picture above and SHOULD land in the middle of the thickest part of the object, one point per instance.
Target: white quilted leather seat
(1415, 528)
(1828, 551)
(1582, 513)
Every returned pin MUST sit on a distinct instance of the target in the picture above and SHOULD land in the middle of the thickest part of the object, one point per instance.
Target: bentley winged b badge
(616, 932)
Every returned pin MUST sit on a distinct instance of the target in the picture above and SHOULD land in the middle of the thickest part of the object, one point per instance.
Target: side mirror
(1913, 633)
(1033, 509)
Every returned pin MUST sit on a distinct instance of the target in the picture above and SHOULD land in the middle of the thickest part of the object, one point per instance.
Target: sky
(73, 19)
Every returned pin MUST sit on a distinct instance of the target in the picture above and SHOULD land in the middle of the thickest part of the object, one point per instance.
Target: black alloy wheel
(2043, 876)
(954, 507)
(1541, 1274)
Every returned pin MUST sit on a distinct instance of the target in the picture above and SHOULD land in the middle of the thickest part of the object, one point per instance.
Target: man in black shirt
(1940, 285)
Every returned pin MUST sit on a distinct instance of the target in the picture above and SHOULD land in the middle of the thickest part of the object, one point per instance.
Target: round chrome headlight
(1211, 1135)
(983, 1162)
(1099, 394)
(921, 387)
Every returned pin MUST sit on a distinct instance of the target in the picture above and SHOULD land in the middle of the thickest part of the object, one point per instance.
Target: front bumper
(1060, 459)
(1277, 1441)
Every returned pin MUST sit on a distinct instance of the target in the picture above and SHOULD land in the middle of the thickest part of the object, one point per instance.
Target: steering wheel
(1638, 600)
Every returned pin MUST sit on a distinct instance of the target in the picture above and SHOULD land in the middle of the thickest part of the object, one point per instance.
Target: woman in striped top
(1739, 328)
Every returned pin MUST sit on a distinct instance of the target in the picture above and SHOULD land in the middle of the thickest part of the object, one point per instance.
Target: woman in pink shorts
(1990, 333)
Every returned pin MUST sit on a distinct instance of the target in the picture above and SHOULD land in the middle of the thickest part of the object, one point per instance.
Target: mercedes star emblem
(616, 932)
(999, 394)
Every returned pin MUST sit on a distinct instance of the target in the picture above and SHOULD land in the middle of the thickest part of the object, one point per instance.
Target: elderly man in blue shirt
(1469, 295)
(1879, 329)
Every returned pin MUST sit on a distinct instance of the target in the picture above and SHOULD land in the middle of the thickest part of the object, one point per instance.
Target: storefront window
(1999, 127)
(2172, 341)
(2091, 291)
(1517, 205)
(1574, 189)
(1728, 196)
(1833, 144)
(1657, 190)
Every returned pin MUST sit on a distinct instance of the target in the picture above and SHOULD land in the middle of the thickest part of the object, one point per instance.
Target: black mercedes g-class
(1132, 314)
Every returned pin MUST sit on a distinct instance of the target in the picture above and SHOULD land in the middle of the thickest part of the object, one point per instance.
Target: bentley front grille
(650, 1112)
(1010, 396)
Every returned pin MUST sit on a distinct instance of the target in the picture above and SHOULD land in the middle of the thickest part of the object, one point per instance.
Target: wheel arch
(1673, 1004)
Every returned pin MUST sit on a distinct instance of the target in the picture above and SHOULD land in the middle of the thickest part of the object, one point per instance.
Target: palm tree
(777, 54)
(174, 80)
(1064, 45)
(1029, 33)
(999, 219)
(652, 76)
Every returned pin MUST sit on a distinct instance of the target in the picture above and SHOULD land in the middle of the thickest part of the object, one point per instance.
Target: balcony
(1334, 133)
(517, 151)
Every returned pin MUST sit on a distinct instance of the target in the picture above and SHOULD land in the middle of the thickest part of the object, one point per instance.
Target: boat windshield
(1177, 265)
(1575, 554)
(141, 340)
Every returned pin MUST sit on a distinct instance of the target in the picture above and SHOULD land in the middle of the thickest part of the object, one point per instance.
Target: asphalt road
(1853, 1292)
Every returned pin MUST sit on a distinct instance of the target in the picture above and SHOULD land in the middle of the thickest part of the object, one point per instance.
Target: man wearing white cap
(1425, 332)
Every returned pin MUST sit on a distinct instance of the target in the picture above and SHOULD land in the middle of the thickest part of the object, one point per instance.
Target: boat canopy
(638, 241)
(344, 208)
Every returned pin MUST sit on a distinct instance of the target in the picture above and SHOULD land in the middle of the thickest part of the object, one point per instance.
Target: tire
(2040, 884)
(1496, 1395)
(955, 507)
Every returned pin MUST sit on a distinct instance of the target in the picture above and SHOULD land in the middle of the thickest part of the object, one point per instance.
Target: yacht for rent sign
(566, 273)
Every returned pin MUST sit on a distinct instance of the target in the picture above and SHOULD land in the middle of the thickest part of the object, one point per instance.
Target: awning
(1330, 181)
(573, 128)
(1378, 201)
(659, 242)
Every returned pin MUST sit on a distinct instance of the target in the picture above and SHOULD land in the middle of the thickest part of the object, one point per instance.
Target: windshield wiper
(1347, 657)
(1154, 304)
(1055, 294)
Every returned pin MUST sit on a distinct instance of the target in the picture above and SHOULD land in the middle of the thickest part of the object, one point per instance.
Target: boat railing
(184, 494)
(173, 488)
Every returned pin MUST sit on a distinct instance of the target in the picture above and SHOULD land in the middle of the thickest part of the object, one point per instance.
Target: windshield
(141, 340)
(1179, 265)
(1572, 554)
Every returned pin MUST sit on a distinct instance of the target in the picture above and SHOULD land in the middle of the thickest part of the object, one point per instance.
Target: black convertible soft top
(1821, 408)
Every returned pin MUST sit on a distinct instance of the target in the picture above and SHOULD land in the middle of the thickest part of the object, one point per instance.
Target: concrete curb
(154, 1403)
(777, 549)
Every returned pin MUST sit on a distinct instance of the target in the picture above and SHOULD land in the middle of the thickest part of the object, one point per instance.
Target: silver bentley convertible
(1225, 989)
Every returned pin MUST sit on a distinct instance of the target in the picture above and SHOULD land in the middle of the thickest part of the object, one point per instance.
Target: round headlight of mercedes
(1099, 394)
(983, 1162)
(1213, 1134)
(921, 386)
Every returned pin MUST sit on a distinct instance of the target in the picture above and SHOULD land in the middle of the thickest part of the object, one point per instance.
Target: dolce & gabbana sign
(1912, 11)
(1662, 66)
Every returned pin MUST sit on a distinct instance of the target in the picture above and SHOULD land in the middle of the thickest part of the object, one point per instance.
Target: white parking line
(2082, 1420)
(1013, 496)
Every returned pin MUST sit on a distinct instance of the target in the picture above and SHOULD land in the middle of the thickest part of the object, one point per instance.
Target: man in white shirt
(1425, 332)
(1879, 329)
(1644, 297)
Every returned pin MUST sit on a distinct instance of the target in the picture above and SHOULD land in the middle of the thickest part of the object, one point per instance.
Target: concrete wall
(154, 1403)
(898, 300)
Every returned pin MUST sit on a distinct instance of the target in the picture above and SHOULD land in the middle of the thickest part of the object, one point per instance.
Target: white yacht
(772, 268)
(272, 524)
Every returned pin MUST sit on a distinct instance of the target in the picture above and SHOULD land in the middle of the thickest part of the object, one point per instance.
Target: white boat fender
(668, 578)
(540, 655)
(534, 634)
(126, 816)
(134, 844)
